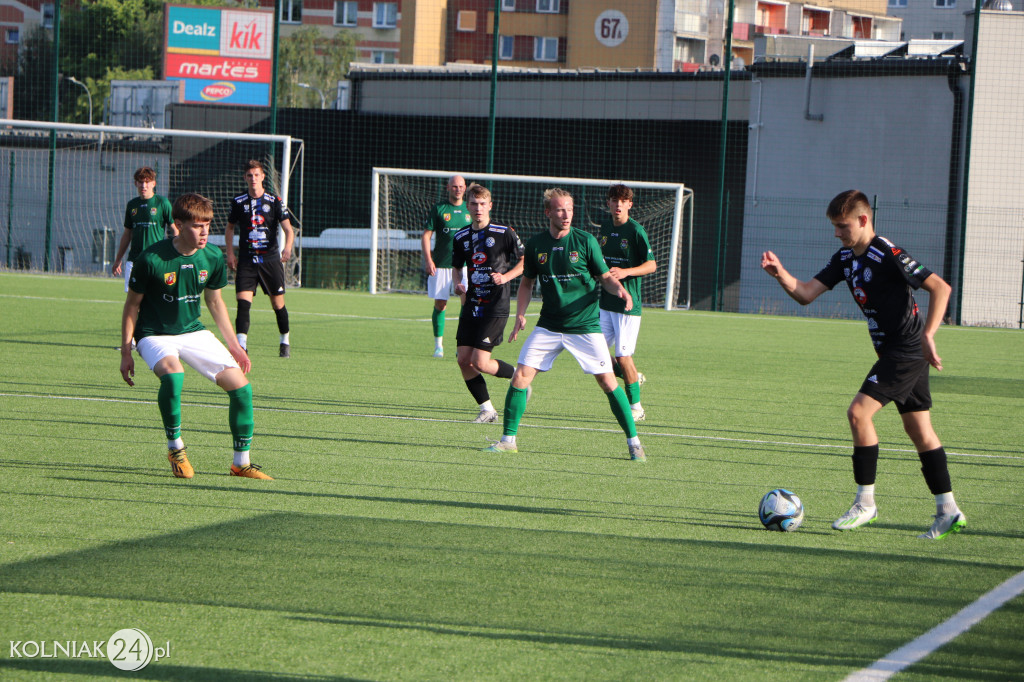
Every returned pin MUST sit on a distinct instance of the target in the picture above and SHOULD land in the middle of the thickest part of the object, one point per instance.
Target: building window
(345, 13)
(946, 4)
(506, 47)
(12, 36)
(46, 10)
(382, 56)
(291, 11)
(897, 3)
(545, 49)
(508, 5)
(548, 6)
(942, 35)
(466, 20)
(385, 15)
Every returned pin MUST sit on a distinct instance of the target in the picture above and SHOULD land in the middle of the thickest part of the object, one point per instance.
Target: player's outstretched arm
(219, 313)
(938, 298)
(229, 245)
(523, 297)
(129, 315)
(612, 285)
(801, 292)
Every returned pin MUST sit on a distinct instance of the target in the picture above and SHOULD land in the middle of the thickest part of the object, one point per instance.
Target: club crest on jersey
(868, 274)
(859, 294)
(489, 242)
(624, 245)
(479, 258)
(266, 208)
(542, 258)
(447, 217)
(203, 274)
(152, 211)
(134, 211)
(257, 219)
(170, 278)
(574, 256)
(604, 240)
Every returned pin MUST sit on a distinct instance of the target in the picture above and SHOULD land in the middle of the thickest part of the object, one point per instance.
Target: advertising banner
(224, 55)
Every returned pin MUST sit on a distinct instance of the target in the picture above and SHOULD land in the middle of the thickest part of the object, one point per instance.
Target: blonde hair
(554, 193)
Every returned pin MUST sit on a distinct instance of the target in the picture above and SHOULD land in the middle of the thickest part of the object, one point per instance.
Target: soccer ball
(781, 510)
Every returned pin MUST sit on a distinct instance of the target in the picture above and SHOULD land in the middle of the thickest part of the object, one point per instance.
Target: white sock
(241, 458)
(866, 495)
(242, 338)
(635, 440)
(176, 444)
(945, 504)
(636, 406)
(508, 439)
(438, 342)
(284, 338)
(487, 406)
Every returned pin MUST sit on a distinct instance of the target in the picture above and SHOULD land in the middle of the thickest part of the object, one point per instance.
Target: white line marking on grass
(941, 634)
(364, 415)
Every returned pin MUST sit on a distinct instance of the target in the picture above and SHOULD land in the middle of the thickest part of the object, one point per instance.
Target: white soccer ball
(781, 510)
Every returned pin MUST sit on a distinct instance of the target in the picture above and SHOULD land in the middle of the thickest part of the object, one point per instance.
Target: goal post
(401, 199)
(64, 186)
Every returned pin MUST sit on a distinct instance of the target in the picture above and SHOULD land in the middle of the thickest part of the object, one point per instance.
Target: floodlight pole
(323, 100)
(53, 136)
(494, 86)
(87, 93)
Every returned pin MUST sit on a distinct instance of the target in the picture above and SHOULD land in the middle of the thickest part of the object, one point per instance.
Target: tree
(307, 56)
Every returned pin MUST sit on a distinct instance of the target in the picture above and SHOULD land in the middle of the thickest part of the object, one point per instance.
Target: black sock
(242, 317)
(505, 370)
(282, 319)
(865, 464)
(478, 388)
(936, 473)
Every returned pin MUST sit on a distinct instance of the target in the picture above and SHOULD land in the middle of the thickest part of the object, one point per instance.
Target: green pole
(494, 86)
(967, 164)
(53, 136)
(10, 210)
(273, 71)
(727, 63)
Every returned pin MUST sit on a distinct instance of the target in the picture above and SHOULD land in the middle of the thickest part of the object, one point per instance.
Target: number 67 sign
(611, 27)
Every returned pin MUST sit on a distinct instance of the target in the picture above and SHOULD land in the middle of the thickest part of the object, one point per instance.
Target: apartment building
(17, 19)
(376, 24)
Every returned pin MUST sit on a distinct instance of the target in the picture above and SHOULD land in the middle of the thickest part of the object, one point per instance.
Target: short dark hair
(253, 163)
(620, 192)
(847, 202)
(144, 173)
(192, 208)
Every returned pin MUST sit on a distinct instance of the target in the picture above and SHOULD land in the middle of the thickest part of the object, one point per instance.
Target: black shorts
(902, 381)
(269, 274)
(483, 333)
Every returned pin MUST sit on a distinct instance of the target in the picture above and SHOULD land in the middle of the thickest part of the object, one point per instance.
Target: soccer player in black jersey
(493, 257)
(257, 215)
(882, 276)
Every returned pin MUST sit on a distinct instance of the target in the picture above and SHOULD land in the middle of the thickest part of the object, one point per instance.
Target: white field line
(941, 634)
(361, 415)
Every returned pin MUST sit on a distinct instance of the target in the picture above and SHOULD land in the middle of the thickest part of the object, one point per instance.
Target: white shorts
(439, 286)
(127, 267)
(543, 346)
(202, 351)
(620, 332)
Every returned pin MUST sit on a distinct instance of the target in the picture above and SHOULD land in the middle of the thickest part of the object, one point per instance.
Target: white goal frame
(683, 204)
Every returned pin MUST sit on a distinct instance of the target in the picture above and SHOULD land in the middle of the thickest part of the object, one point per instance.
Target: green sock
(168, 399)
(515, 405)
(620, 408)
(633, 392)
(240, 417)
(437, 320)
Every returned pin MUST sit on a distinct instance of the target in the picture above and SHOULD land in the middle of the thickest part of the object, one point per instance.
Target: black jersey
(495, 248)
(882, 281)
(257, 220)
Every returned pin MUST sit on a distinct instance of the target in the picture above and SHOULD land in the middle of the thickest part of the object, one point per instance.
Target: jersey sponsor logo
(846, 272)
(574, 256)
(187, 266)
(257, 219)
(873, 378)
(542, 258)
(479, 258)
(170, 278)
(896, 251)
(860, 296)
(909, 267)
(845, 254)
(203, 275)
(465, 244)
(266, 208)
(874, 255)
(872, 324)
(918, 270)
(480, 277)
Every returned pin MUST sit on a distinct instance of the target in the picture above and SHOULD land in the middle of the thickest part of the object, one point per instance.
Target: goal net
(64, 197)
(402, 198)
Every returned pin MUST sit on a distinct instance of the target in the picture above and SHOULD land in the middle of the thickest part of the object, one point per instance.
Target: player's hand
(770, 263)
(115, 269)
(241, 357)
(460, 288)
(930, 354)
(628, 299)
(618, 273)
(430, 268)
(231, 261)
(128, 368)
(286, 255)
(498, 278)
(517, 327)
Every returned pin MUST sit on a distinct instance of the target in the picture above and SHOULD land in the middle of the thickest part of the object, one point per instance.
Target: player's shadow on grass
(154, 671)
(556, 588)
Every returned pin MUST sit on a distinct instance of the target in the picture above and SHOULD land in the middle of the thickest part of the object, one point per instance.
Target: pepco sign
(222, 54)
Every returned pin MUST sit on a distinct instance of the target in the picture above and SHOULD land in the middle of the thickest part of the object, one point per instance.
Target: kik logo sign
(246, 34)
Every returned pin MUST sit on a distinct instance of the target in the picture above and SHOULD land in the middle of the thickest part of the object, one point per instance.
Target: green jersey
(624, 246)
(148, 220)
(444, 221)
(569, 271)
(172, 285)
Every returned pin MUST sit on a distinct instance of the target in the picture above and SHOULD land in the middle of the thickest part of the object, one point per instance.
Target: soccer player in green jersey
(627, 251)
(445, 219)
(570, 268)
(161, 314)
(147, 219)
